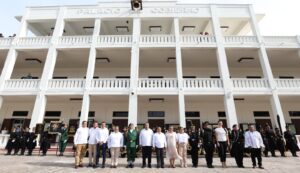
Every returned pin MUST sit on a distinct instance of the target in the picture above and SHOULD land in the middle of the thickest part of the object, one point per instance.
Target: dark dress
(11, 144)
(45, 143)
(31, 142)
(291, 142)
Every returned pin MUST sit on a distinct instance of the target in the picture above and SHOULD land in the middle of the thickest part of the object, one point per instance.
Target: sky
(282, 17)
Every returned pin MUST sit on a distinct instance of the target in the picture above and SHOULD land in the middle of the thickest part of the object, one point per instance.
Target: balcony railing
(197, 40)
(202, 83)
(155, 40)
(110, 84)
(240, 40)
(281, 41)
(75, 40)
(250, 83)
(66, 84)
(158, 83)
(288, 83)
(5, 42)
(33, 41)
(21, 84)
(110, 40)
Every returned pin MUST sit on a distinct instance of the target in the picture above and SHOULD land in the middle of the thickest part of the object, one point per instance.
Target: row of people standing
(19, 141)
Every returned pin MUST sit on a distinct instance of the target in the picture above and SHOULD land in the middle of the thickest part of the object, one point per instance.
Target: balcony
(5, 43)
(250, 85)
(203, 85)
(197, 41)
(66, 85)
(240, 41)
(110, 85)
(281, 41)
(288, 84)
(21, 85)
(157, 41)
(158, 85)
(114, 41)
(33, 42)
(75, 41)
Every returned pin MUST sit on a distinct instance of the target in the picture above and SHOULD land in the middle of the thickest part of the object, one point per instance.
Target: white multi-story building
(169, 63)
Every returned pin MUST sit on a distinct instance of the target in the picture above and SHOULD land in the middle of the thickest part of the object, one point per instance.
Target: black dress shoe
(260, 167)
(210, 166)
(254, 167)
(144, 166)
(103, 166)
(149, 166)
(241, 166)
(162, 166)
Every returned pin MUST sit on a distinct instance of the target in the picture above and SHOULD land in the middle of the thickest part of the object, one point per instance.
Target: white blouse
(221, 134)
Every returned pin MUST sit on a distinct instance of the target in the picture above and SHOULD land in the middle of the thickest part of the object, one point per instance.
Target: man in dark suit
(238, 142)
(194, 143)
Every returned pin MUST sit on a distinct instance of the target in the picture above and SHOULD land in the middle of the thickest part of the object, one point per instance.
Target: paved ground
(51, 164)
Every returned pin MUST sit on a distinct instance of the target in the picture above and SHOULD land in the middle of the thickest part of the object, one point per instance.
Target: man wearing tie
(254, 142)
(237, 150)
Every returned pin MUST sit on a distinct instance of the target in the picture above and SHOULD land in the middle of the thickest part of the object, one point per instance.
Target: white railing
(110, 83)
(288, 83)
(5, 41)
(157, 40)
(66, 84)
(280, 40)
(240, 40)
(33, 41)
(158, 83)
(74, 40)
(250, 83)
(202, 83)
(114, 39)
(20, 84)
(197, 39)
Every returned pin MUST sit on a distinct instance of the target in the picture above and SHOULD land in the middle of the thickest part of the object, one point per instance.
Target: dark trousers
(147, 152)
(209, 151)
(194, 155)
(270, 148)
(256, 153)
(101, 150)
(222, 151)
(238, 152)
(30, 152)
(160, 157)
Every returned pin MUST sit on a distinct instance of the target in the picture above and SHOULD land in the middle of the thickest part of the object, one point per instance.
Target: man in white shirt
(182, 139)
(102, 143)
(159, 143)
(93, 138)
(145, 141)
(80, 142)
(254, 142)
(115, 142)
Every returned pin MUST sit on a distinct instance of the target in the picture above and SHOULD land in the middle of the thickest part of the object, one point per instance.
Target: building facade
(169, 63)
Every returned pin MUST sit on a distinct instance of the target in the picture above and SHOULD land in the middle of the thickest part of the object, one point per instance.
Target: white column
(38, 112)
(267, 71)
(40, 102)
(134, 72)
(90, 73)
(12, 55)
(224, 70)
(181, 100)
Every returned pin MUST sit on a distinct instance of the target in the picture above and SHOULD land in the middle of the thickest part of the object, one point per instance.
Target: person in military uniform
(131, 144)
(31, 141)
(208, 144)
(238, 142)
(280, 142)
(44, 142)
(271, 138)
(291, 141)
(63, 139)
(194, 143)
(11, 142)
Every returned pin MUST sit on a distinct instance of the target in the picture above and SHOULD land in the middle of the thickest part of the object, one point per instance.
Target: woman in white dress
(172, 152)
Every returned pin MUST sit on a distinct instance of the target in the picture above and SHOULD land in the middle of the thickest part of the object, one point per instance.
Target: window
(294, 113)
(91, 114)
(215, 77)
(189, 77)
(221, 114)
(261, 114)
(192, 114)
(120, 114)
(156, 114)
(155, 77)
(286, 77)
(20, 114)
(60, 77)
(53, 114)
(122, 77)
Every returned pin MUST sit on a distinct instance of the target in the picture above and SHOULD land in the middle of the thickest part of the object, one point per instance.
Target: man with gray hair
(254, 142)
